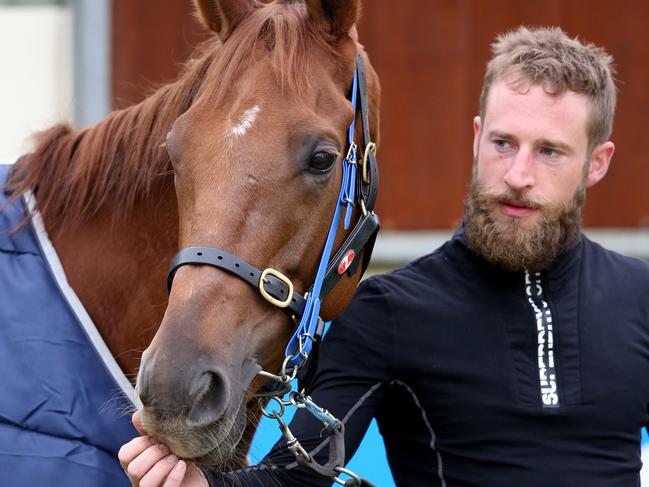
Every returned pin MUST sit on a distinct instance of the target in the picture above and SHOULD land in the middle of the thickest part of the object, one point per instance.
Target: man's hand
(148, 463)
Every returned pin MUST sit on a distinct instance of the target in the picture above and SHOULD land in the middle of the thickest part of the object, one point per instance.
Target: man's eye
(549, 152)
(501, 144)
(322, 161)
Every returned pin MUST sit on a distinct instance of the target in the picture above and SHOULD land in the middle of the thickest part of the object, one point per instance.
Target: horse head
(257, 165)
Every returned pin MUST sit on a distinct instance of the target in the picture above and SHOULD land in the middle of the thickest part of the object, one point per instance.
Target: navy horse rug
(63, 397)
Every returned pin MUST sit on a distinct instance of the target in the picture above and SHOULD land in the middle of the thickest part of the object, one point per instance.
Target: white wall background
(36, 73)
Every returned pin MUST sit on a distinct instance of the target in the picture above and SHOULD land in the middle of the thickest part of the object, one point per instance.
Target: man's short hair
(548, 57)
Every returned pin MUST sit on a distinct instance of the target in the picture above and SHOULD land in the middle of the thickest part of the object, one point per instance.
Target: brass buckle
(371, 147)
(281, 277)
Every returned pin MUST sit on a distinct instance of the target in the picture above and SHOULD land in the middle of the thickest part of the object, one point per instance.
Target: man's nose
(521, 173)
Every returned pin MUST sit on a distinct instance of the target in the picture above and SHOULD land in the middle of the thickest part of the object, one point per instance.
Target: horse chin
(224, 453)
(213, 445)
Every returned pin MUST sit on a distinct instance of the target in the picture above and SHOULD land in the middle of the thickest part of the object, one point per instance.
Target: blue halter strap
(300, 344)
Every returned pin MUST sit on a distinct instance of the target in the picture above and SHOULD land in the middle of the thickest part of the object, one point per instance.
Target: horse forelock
(284, 30)
(121, 159)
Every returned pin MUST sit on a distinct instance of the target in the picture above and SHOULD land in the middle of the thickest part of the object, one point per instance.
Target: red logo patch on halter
(346, 261)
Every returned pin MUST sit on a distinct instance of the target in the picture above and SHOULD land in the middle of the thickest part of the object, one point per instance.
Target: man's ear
(477, 129)
(337, 16)
(222, 16)
(599, 162)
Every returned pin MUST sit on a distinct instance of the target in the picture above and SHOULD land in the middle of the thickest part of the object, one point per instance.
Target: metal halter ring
(371, 147)
(275, 414)
(347, 472)
(281, 277)
(284, 377)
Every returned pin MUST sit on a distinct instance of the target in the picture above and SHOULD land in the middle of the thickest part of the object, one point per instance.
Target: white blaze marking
(246, 121)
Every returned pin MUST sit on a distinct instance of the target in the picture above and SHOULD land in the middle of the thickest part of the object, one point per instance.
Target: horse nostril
(210, 399)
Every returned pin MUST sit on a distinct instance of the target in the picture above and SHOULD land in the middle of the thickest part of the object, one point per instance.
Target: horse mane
(74, 173)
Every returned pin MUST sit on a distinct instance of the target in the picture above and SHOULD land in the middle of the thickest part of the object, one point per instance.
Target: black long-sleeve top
(481, 377)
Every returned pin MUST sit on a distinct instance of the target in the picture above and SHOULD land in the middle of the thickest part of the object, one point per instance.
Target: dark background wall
(430, 56)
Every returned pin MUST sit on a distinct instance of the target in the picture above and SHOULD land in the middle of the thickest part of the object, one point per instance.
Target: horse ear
(339, 15)
(222, 16)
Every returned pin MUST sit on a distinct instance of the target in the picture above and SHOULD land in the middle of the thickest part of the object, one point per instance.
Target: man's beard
(516, 245)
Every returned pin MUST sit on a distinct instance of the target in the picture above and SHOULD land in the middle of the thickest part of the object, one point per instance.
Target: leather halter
(277, 288)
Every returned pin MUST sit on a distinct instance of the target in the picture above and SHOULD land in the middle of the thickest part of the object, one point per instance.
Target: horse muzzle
(194, 404)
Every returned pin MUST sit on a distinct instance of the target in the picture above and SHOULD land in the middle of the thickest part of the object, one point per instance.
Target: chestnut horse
(255, 129)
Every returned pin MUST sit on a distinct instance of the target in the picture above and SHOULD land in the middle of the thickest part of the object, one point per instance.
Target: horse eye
(322, 162)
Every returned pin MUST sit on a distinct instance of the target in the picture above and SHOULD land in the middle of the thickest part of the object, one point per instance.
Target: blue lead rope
(300, 344)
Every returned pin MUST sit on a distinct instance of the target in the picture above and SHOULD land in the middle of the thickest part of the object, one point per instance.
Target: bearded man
(517, 354)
